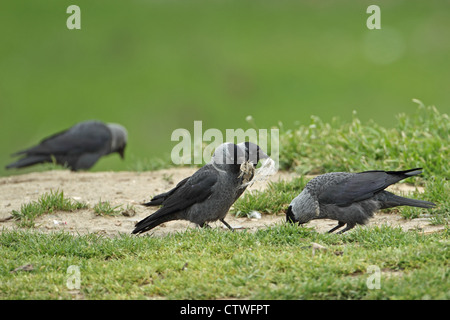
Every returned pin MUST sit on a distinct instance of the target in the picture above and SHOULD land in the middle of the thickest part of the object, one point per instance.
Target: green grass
(104, 208)
(274, 199)
(273, 263)
(47, 203)
(417, 140)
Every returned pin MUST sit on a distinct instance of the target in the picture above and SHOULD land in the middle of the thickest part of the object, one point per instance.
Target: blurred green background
(155, 66)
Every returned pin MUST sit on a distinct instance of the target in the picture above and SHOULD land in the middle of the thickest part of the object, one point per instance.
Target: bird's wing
(196, 189)
(159, 199)
(82, 138)
(357, 187)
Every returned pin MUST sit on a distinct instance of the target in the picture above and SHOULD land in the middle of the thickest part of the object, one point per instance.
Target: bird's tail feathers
(393, 200)
(407, 173)
(153, 220)
(412, 172)
(158, 199)
(154, 202)
(29, 161)
(18, 153)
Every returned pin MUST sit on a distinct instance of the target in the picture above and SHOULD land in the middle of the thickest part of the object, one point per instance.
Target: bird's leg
(340, 225)
(348, 227)
(225, 223)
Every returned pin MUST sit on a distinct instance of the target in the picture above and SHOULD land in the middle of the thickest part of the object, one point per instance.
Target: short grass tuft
(104, 208)
(47, 203)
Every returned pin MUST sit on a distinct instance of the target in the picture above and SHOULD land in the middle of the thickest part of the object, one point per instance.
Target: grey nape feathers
(350, 198)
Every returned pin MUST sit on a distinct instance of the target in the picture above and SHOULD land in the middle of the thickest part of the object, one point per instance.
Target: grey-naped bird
(253, 153)
(350, 198)
(204, 197)
(78, 147)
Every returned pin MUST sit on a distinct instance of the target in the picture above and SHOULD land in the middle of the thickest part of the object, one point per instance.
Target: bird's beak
(121, 152)
(290, 215)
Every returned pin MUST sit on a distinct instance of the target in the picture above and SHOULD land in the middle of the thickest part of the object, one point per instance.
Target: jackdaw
(350, 198)
(253, 153)
(205, 196)
(78, 147)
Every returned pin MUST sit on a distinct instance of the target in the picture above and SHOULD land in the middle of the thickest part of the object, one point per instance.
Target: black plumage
(205, 196)
(253, 153)
(350, 198)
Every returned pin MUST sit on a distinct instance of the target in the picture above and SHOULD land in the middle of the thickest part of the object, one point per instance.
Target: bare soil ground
(133, 188)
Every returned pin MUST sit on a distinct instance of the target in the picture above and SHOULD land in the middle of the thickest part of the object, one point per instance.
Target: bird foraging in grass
(208, 194)
(78, 147)
(350, 198)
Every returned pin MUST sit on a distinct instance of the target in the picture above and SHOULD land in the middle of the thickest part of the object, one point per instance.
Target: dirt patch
(133, 188)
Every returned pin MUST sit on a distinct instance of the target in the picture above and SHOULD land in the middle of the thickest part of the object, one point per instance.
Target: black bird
(253, 154)
(350, 198)
(78, 147)
(205, 196)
